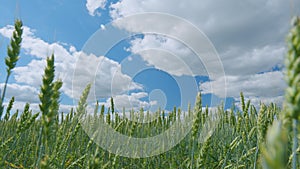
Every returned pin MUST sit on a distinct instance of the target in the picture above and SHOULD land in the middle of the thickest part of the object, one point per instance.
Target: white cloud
(266, 85)
(249, 36)
(259, 88)
(238, 62)
(93, 5)
(173, 57)
(227, 23)
(106, 73)
(35, 46)
(278, 100)
(31, 74)
(242, 31)
(66, 108)
(23, 93)
(167, 54)
(131, 101)
(19, 105)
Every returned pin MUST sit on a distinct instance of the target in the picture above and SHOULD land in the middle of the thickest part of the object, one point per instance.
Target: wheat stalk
(13, 52)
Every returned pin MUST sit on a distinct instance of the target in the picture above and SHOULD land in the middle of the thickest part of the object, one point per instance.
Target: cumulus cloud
(104, 74)
(75, 68)
(31, 73)
(256, 101)
(35, 46)
(256, 60)
(131, 101)
(19, 106)
(22, 93)
(93, 5)
(173, 57)
(34, 107)
(235, 28)
(167, 54)
(248, 35)
(227, 23)
(266, 85)
(85, 68)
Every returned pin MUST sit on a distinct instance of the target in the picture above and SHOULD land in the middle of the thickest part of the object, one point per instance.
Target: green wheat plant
(12, 58)
(277, 151)
(292, 104)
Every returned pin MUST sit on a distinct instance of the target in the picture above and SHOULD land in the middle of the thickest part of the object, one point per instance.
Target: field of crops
(244, 137)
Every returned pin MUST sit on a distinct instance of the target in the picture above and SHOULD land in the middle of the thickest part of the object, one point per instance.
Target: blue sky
(249, 37)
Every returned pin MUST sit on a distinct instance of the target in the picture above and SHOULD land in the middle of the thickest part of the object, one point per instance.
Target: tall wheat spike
(275, 150)
(292, 103)
(12, 58)
(46, 94)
